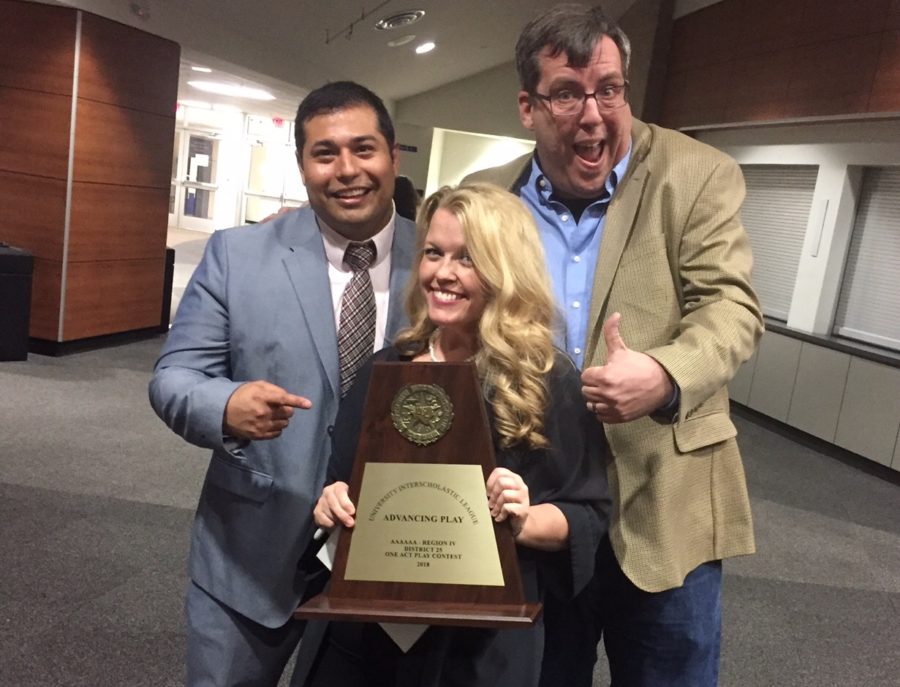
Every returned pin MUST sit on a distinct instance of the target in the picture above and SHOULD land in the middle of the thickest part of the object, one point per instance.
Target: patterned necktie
(356, 333)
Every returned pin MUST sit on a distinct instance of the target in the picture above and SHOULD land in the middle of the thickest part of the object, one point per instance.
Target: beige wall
(414, 164)
(486, 102)
(483, 103)
(458, 154)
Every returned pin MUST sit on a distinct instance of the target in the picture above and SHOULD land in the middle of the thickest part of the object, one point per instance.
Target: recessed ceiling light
(403, 40)
(205, 70)
(232, 90)
(395, 21)
(198, 104)
(424, 48)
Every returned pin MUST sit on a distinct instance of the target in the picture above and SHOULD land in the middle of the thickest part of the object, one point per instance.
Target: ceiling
(287, 95)
(291, 46)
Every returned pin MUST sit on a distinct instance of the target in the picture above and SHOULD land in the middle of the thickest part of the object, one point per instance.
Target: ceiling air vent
(395, 21)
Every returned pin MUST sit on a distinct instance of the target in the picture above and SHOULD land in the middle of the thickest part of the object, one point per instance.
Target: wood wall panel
(893, 17)
(886, 88)
(830, 21)
(125, 124)
(33, 213)
(38, 47)
(45, 293)
(786, 59)
(705, 37)
(117, 222)
(108, 297)
(123, 66)
(758, 88)
(827, 81)
(768, 26)
(697, 95)
(115, 145)
(35, 132)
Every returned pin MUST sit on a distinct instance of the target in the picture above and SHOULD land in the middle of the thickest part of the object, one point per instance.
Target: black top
(570, 474)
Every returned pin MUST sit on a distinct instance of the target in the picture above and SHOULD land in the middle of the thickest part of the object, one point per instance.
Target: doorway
(193, 189)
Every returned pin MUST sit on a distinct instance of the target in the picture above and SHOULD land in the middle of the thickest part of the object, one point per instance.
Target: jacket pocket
(703, 430)
(239, 479)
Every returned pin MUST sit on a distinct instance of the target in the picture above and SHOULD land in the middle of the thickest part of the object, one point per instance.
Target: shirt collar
(336, 244)
(544, 188)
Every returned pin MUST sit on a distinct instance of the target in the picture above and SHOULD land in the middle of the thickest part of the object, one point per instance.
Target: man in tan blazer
(671, 316)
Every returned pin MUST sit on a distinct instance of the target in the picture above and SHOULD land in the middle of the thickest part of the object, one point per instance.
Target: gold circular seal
(422, 413)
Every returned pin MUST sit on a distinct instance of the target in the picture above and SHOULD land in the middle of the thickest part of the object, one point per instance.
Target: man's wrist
(668, 412)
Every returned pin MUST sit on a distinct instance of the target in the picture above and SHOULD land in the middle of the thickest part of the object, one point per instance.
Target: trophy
(424, 548)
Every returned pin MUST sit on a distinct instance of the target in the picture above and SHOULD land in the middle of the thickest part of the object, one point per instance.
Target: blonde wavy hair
(515, 331)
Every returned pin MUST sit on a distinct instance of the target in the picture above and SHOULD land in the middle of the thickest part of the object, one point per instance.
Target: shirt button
(542, 183)
(576, 304)
(577, 351)
(564, 218)
(576, 258)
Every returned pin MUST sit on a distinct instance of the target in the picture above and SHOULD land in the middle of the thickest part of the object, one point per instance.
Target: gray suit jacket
(259, 307)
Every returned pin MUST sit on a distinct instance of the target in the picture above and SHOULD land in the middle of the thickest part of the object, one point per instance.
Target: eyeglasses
(569, 103)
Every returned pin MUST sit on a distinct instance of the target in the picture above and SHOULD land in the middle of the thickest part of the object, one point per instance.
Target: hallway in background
(189, 246)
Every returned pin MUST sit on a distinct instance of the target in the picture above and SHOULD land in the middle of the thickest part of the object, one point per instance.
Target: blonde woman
(480, 292)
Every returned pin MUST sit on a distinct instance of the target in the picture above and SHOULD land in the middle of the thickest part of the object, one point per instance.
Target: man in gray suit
(251, 370)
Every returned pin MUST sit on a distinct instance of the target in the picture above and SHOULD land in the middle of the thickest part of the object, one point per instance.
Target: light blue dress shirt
(571, 249)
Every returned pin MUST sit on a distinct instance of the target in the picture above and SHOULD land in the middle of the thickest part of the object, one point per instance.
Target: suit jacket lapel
(620, 219)
(402, 253)
(307, 269)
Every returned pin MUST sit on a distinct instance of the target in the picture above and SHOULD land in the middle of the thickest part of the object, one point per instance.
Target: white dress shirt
(380, 273)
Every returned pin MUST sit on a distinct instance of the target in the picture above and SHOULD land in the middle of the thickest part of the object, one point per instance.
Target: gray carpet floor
(97, 496)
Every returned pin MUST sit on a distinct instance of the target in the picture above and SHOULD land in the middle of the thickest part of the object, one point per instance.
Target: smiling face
(454, 293)
(577, 153)
(349, 169)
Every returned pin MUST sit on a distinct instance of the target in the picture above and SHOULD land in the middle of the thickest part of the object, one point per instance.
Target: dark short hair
(339, 95)
(406, 199)
(571, 29)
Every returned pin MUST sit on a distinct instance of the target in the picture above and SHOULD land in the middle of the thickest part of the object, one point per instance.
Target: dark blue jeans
(661, 639)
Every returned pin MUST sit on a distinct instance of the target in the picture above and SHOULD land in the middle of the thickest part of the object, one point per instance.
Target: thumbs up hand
(629, 386)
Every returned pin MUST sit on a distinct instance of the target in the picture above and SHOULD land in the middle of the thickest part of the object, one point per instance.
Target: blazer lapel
(307, 268)
(619, 224)
(402, 251)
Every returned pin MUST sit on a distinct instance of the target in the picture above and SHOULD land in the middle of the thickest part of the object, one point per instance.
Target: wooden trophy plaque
(424, 548)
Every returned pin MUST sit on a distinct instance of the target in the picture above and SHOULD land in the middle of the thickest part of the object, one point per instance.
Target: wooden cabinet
(773, 377)
(870, 413)
(833, 395)
(818, 390)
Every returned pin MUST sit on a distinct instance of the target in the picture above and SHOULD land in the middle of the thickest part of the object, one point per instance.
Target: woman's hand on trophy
(508, 498)
(335, 507)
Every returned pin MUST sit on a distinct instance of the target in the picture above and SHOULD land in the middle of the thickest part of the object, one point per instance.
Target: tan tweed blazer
(675, 261)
